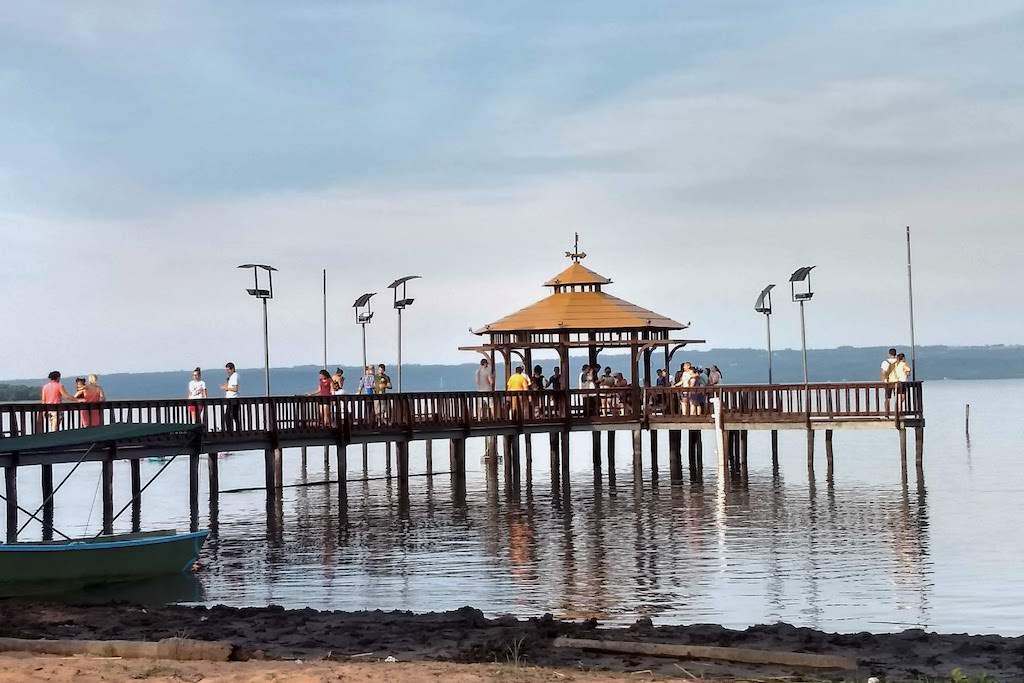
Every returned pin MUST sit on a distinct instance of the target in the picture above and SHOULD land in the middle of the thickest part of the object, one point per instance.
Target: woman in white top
(196, 390)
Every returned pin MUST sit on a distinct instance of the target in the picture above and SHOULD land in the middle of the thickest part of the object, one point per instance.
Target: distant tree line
(18, 392)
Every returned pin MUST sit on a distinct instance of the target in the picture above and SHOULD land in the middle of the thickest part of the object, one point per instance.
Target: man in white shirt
(232, 413)
(484, 376)
(889, 377)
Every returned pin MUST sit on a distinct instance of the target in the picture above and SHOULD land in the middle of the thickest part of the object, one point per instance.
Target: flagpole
(910, 298)
(325, 318)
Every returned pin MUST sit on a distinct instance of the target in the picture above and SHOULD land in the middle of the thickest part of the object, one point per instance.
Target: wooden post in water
(611, 457)
(692, 436)
(828, 455)
(553, 455)
(903, 444)
(506, 458)
(366, 460)
(675, 456)
(268, 470)
(775, 450)
(595, 439)
(564, 453)
(387, 460)
(919, 445)
(136, 495)
(654, 456)
(810, 447)
(402, 455)
(107, 475)
(528, 440)
(458, 448)
(11, 492)
(967, 420)
(744, 443)
(638, 455)
(279, 467)
(193, 489)
(213, 470)
(430, 457)
(342, 450)
(46, 480)
(304, 458)
(327, 461)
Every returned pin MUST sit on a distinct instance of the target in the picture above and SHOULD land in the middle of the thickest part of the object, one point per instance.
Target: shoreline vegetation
(739, 366)
(464, 645)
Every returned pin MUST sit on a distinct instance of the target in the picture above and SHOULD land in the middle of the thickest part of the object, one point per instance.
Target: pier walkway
(275, 423)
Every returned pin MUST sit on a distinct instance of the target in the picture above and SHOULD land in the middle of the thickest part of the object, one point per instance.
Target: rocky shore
(466, 636)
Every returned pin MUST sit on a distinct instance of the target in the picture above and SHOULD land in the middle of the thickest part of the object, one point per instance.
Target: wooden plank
(46, 482)
(136, 495)
(729, 654)
(107, 476)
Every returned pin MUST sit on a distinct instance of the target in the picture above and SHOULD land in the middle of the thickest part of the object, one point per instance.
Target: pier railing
(295, 418)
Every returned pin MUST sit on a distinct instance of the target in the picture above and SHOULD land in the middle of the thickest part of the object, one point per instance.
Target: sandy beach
(465, 636)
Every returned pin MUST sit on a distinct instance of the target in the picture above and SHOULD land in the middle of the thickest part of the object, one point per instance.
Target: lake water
(868, 551)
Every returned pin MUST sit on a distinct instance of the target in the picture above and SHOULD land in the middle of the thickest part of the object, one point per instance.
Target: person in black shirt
(554, 382)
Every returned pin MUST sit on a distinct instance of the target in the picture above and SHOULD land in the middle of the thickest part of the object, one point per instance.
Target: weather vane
(576, 255)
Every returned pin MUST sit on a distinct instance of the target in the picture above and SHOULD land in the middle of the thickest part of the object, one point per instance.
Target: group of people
(87, 390)
(896, 372)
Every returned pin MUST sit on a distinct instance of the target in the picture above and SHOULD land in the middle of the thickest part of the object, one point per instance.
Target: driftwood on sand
(179, 649)
(731, 654)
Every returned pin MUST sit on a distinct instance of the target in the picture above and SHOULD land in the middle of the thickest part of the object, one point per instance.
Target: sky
(701, 149)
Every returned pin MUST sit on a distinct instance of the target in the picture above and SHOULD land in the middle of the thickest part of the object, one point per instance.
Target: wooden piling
(327, 460)
(268, 470)
(919, 445)
(458, 449)
(506, 458)
(366, 459)
(46, 481)
(279, 467)
(828, 455)
(610, 438)
(638, 455)
(564, 453)
(744, 439)
(595, 440)
(675, 457)
(654, 456)
(775, 450)
(903, 443)
(342, 456)
(304, 454)
(967, 420)
(810, 447)
(692, 439)
(107, 475)
(430, 457)
(213, 470)
(193, 489)
(387, 460)
(136, 495)
(402, 465)
(11, 493)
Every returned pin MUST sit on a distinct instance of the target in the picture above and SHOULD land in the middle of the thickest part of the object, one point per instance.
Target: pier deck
(275, 423)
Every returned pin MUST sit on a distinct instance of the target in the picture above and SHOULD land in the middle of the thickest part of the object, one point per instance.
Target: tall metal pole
(364, 346)
(768, 321)
(910, 297)
(325, 318)
(266, 349)
(399, 350)
(803, 339)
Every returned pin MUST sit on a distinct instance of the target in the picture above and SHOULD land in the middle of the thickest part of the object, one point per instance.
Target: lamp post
(363, 317)
(803, 275)
(400, 305)
(764, 305)
(265, 294)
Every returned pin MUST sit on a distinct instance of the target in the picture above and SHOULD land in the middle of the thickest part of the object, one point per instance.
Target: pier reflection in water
(873, 547)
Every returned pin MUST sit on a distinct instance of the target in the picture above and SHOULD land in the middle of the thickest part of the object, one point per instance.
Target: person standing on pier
(196, 391)
(902, 372)
(338, 382)
(232, 412)
(93, 393)
(889, 377)
(518, 382)
(323, 389)
(382, 383)
(366, 383)
(484, 376)
(54, 393)
(554, 382)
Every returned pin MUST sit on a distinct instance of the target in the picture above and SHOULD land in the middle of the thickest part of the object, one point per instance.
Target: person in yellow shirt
(517, 382)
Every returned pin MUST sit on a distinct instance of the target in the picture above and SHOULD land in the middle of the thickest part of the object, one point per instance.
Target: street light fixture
(764, 305)
(802, 275)
(265, 294)
(401, 303)
(363, 317)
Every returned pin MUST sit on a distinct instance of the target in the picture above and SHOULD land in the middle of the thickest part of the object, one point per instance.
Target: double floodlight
(802, 275)
(362, 308)
(404, 301)
(257, 291)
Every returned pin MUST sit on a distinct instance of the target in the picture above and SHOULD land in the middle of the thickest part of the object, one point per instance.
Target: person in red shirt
(54, 393)
(324, 388)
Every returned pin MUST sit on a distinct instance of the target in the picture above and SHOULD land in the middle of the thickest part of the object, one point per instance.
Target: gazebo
(579, 314)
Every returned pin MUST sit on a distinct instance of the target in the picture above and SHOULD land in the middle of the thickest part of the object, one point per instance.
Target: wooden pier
(274, 424)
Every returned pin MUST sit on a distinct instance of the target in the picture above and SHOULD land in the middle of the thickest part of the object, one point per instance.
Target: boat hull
(102, 560)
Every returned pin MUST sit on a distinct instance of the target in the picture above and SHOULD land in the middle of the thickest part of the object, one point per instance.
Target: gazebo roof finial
(576, 255)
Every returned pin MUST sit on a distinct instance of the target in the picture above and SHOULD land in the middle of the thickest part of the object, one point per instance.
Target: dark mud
(465, 635)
